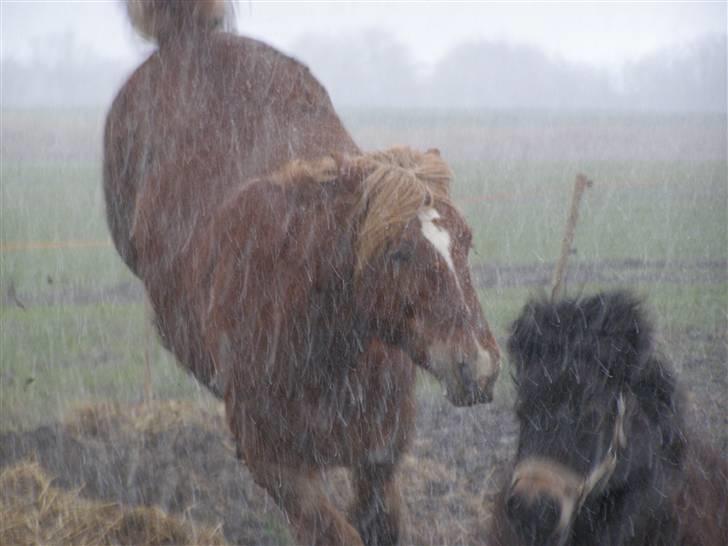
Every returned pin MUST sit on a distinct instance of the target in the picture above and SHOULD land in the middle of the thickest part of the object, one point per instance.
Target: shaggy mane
(398, 183)
(306, 171)
(589, 342)
(394, 186)
(591, 347)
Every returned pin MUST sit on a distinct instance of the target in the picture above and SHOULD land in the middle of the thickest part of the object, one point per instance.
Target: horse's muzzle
(535, 520)
(542, 501)
(472, 390)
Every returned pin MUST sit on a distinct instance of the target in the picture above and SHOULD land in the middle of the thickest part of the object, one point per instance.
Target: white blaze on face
(483, 367)
(438, 237)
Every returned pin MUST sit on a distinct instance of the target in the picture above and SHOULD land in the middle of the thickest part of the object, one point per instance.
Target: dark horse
(297, 278)
(603, 456)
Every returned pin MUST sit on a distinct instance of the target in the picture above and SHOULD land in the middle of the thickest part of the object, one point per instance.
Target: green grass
(652, 211)
(58, 356)
(660, 208)
(54, 202)
(39, 198)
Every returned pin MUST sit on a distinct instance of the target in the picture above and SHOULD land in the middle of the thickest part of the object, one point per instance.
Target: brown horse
(294, 276)
(603, 455)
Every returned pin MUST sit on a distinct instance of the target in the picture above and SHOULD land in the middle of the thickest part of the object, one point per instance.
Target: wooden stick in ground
(582, 182)
(147, 342)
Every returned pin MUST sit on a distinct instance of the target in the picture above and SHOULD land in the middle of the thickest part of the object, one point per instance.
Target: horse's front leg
(315, 520)
(376, 509)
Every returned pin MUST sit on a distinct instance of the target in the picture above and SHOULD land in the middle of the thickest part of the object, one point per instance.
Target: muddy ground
(180, 458)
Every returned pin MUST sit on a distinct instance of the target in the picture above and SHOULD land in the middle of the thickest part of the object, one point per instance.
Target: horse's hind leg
(376, 508)
(315, 520)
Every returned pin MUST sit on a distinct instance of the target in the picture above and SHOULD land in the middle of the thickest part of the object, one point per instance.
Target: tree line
(372, 69)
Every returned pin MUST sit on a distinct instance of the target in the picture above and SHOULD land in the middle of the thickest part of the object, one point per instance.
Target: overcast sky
(607, 34)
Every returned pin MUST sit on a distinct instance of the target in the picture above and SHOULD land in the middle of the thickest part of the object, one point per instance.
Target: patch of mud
(74, 294)
(627, 272)
(700, 360)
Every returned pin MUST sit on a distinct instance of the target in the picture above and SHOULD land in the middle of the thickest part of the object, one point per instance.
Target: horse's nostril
(534, 519)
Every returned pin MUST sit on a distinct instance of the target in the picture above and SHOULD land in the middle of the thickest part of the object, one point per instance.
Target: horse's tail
(162, 20)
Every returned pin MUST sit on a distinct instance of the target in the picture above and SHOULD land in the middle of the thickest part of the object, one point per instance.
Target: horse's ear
(433, 151)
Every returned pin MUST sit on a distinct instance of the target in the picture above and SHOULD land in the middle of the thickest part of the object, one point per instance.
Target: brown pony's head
(412, 279)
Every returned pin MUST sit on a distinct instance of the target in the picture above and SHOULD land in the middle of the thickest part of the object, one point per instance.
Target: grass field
(660, 196)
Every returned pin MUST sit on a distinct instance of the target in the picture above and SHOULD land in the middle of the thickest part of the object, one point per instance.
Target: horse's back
(199, 117)
(196, 120)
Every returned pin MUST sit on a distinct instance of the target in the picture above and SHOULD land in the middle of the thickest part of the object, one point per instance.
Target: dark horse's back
(207, 111)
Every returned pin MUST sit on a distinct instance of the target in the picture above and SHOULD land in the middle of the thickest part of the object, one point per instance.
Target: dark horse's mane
(593, 347)
(668, 487)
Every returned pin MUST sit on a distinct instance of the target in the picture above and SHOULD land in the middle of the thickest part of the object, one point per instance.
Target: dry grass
(442, 504)
(439, 507)
(32, 511)
(101, 420)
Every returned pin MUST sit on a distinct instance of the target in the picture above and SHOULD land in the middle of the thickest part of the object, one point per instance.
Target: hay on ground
(33, 511)
(104, 419)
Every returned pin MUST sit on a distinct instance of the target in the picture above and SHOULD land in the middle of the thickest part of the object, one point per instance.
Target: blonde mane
(395, 185)
(398, 184)
(307, 171)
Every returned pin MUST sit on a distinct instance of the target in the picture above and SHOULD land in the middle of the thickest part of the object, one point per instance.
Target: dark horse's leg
(299, 494)
(376, 507)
